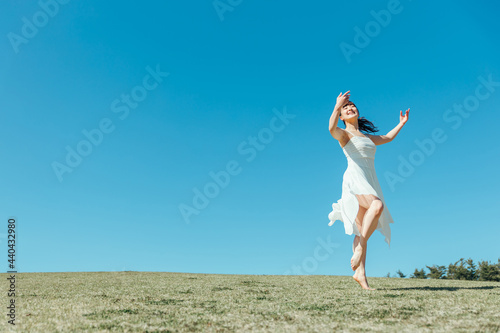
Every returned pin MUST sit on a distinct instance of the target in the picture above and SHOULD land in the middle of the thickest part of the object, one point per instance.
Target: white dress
(359, 178)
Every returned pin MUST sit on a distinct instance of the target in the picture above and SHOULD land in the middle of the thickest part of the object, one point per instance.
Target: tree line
(460, 270)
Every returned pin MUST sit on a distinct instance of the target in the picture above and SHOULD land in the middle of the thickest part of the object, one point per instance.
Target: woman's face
(348, 111)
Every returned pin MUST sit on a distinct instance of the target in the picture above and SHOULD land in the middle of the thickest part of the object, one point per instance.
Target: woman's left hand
(403, 118)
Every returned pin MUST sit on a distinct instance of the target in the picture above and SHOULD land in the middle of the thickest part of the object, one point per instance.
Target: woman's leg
(374, 208)
(359, 224)
(360, 274)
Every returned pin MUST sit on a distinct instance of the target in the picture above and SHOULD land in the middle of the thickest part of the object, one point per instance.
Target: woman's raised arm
(342, 99)
(381, 139)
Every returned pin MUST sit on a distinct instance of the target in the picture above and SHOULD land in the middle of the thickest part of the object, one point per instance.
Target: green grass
(179, 302)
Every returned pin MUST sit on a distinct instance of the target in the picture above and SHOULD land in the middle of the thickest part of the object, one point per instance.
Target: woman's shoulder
(339, 134)
(344, 137)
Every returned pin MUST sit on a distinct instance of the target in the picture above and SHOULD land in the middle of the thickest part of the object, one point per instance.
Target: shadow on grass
(441, 288)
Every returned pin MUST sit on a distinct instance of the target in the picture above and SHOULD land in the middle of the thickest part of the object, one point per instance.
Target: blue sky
(244, 91)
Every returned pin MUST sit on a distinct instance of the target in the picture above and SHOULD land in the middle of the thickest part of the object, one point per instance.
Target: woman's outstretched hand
(342, 99)
(403, 118)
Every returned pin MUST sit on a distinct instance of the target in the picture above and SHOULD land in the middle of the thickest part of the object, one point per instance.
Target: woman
(362, 207)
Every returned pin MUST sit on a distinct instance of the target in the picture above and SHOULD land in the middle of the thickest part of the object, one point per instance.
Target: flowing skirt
(359, 179)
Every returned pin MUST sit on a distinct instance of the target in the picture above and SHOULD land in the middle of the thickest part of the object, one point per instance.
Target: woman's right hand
(342, 99)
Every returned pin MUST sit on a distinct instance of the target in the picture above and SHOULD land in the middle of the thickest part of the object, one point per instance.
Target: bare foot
(361, 279)
(356, 258)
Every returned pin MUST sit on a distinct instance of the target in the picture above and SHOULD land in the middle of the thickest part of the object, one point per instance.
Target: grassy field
(180, 302)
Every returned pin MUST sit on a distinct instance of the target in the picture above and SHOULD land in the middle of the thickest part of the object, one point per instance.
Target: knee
(377, 206)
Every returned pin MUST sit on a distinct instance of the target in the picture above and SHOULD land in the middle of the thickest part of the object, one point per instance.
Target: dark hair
(364, 125)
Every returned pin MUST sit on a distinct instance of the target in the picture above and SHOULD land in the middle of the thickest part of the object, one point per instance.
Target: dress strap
(348, 131)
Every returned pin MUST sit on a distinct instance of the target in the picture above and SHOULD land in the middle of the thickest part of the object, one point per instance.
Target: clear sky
(193, 136)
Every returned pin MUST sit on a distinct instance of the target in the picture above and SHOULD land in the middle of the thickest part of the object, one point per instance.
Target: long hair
(364, 125)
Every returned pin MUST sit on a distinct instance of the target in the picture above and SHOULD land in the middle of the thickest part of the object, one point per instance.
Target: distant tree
(460, 270)
(400, 274)
(488, 272)
(471, 270)
(419, 274)
(455, 272)
(451, 272)
(436, 272)
(466, 270)
(388, 275)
